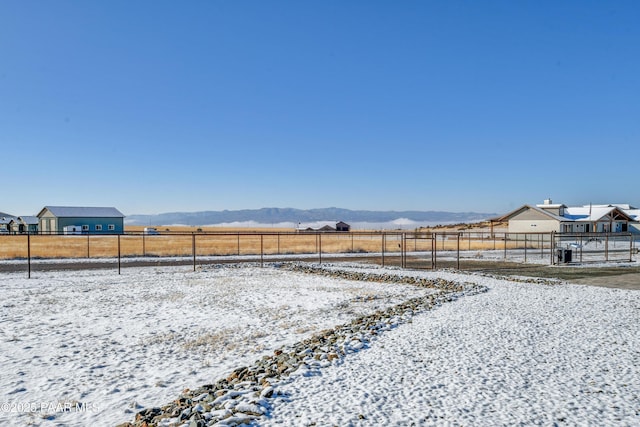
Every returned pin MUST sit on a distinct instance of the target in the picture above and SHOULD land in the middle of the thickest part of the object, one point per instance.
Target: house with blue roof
(5, 219)
(24, 224)
(80, 220)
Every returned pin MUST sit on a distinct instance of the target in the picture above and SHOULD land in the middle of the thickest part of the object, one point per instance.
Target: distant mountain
(295, 216)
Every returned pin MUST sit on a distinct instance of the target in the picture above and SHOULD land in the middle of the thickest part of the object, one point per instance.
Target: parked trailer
(72, 229)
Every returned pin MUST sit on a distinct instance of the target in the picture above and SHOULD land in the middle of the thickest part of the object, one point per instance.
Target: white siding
(533, 226)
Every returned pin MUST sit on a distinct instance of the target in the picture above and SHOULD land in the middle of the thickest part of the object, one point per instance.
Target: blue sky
(163, 106)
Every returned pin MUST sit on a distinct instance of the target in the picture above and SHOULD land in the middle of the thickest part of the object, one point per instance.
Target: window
(85, 228)
(111, 227)
(98, 227)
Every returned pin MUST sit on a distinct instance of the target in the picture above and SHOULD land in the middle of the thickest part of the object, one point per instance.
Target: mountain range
(300, 216)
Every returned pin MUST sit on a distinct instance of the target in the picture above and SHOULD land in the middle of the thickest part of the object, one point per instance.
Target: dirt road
(614, 276)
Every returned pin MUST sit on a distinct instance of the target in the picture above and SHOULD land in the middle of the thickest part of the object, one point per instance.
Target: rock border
(244, 396)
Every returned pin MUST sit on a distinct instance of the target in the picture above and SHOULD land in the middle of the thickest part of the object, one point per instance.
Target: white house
(635, 214)
(548, 217)
(5, 219)
(24, 224)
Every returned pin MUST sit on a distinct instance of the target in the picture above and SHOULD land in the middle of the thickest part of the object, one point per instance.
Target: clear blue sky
(160, 106)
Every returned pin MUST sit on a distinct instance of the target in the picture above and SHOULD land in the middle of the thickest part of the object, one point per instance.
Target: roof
(30, 220)
(623, 206)
(327, 228)
(633, 213)
(595, 213)
(6, 215)
(587, 213)
(552, 206)
(506, 217)
(576, 214)
(82, 212)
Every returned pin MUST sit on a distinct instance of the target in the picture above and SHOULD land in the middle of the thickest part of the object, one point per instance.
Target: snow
(520, 353)
(120, 343)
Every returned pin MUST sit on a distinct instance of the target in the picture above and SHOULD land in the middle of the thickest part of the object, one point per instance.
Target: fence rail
(551, 248)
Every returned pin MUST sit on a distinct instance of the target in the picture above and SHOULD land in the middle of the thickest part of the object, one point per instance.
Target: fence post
(320, 247)
(606, 247)
(383, 245)
(29, 255)
(403, 250)
(434, 252)
(505, 245)
(541, 243)
(525, 248)
(404, 246)
(261, 250)
(458, 251)
(193, 249)
(119, 254)
(431, 240)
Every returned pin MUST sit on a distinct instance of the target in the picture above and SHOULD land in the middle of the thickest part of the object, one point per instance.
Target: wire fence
(431, 247)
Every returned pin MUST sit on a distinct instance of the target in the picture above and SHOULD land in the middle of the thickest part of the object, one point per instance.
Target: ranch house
(340, 226)
(24, 224)
(560, 218)
(80, 220)
(5, 219)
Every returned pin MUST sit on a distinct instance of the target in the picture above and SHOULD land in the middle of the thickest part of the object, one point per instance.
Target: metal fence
(594, 247)
(389, 246)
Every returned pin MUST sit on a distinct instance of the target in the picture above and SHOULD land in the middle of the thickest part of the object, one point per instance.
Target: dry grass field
(238, 243)
(218, 241)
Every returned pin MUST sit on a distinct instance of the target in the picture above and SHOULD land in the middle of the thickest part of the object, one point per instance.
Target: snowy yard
(93, 348)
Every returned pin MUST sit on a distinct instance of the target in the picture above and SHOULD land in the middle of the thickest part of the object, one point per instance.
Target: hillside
(295, 216)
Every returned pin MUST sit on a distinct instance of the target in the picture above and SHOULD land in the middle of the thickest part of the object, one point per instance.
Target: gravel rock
(244, 395)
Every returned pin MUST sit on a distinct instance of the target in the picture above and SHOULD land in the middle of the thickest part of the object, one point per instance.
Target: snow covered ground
(92, 348)
(520, 354)
(118, 343)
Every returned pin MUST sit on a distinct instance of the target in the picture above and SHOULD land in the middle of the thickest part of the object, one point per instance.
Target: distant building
(340, 226)
(24, 224)
(87, 220)
(547, 217)
(5, 219)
